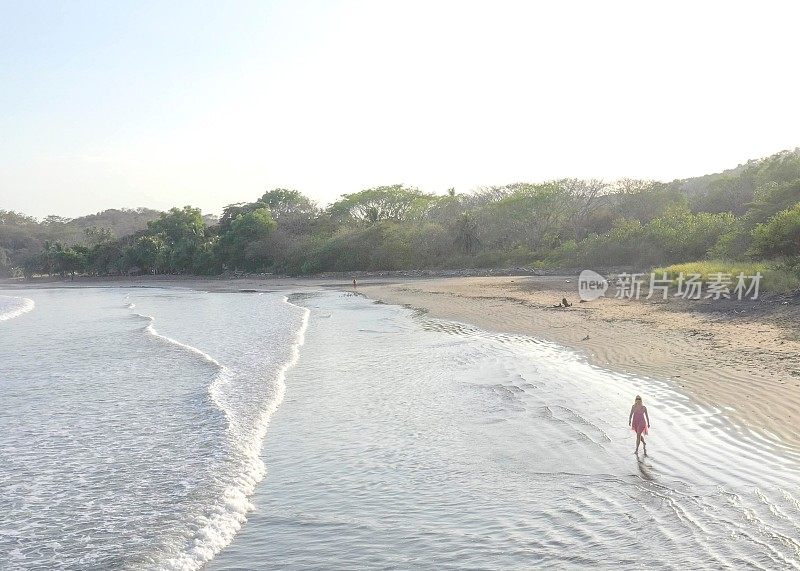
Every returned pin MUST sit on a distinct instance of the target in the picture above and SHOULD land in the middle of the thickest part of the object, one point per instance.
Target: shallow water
(413, 442)
(134, 421)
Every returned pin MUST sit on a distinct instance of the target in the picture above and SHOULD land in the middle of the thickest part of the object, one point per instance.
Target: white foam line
(25, 305)
(232, 502)
(222, 370)
(227, 518)
(152, 330)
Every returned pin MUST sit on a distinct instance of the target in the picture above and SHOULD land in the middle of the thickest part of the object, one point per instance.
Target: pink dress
(638, 423)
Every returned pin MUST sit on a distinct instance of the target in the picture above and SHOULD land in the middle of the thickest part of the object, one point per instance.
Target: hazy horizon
(260, 192)
(146, 105)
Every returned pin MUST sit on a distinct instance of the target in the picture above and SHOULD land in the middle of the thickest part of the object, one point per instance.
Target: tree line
(750, 212)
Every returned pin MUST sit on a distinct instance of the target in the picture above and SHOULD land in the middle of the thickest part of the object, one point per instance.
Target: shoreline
(740, 357)
(743, 359)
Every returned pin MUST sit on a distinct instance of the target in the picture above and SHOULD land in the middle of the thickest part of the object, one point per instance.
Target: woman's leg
(638, 439)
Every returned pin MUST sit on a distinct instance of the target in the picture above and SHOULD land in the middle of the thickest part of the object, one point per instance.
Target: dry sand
(741, 356)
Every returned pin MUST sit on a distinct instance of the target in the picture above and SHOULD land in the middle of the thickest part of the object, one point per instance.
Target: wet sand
(740, 356)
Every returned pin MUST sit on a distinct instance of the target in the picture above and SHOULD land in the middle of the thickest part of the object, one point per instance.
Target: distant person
(354, 283)
(639, 422)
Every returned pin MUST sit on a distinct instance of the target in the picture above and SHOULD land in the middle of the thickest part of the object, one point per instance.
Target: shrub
(780, 235)
(776, 278)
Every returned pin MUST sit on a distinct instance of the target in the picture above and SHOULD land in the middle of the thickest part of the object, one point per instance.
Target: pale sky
(158, 104)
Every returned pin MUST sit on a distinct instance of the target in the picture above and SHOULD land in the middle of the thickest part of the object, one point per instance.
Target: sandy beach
(741, 357)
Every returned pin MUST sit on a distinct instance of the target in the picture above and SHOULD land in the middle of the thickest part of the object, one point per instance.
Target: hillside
(750, 213)
(23, 236)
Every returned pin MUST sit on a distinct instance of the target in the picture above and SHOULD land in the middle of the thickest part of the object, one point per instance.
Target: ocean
(174, 429)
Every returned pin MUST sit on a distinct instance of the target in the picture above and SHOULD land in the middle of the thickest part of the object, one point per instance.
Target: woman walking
(639, 422)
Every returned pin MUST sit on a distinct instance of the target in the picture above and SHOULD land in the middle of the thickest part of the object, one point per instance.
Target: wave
(228, 514)
(152, 330)
(12, 306)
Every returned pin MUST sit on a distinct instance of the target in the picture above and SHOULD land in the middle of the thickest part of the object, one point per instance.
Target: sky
(161, 104)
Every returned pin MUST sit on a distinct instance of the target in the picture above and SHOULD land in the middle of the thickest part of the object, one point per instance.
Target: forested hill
(733, 189)
(749, 213)
(22, 236)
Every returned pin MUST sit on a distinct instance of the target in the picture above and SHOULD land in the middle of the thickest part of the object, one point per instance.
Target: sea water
(133, 423)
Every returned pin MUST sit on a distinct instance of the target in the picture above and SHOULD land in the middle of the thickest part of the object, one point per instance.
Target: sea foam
(226, 516)
(12, 306)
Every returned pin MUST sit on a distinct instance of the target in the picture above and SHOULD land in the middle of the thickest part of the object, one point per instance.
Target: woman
(639, 422)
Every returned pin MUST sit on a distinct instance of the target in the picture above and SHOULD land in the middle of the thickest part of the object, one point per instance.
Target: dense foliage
(751, 212)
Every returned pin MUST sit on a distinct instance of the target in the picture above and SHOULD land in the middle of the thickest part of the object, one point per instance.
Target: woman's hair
(638, 398)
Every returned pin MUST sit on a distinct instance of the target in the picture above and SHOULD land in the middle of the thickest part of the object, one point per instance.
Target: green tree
(11, 218)
(243, 246)
(533, 216)
(71, 261)
(680, 235)
(5, 265)
(771, 198)
(179, 225)
(283, 202)
(624, 244)
(148, 253)
(182, 231)
(372, 205)
(646, 199)
(232, 211)
(254, 225)
(465, 234)
(780, 236)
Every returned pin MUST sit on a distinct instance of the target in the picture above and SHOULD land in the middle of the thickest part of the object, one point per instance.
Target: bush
(681, 235)
(733, 245)
(779, 236)
(625, 244)
(776, 278)
(565, 256)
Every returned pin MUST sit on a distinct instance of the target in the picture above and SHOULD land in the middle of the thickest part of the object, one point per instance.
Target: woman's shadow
(645, 469)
